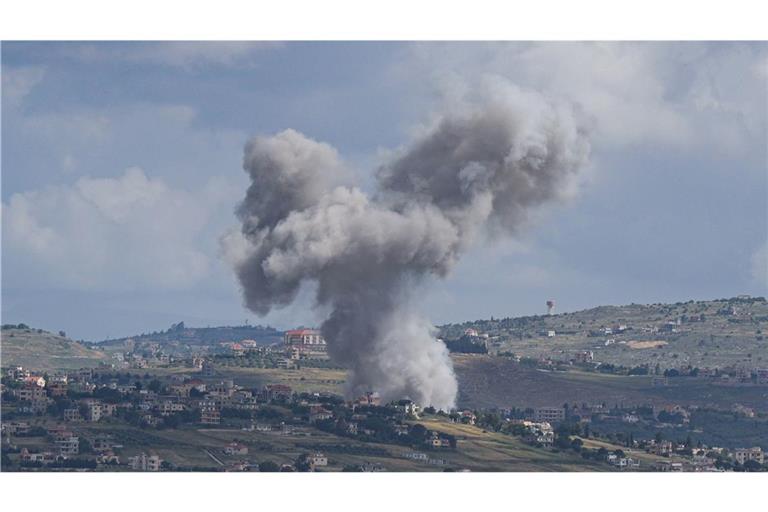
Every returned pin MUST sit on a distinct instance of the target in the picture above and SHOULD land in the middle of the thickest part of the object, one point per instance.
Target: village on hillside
(243, 405)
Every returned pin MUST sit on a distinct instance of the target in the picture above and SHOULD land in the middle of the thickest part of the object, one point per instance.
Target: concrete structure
(235, 448)
(549, 414)
(309, 342)
(318, 459)
(68, 444)
(144, 462)
(742, 455)
(210, 416)
(72, 415)
(207, 369)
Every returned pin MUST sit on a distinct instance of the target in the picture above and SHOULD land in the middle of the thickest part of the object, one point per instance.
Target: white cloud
(18, 82)
(168, 138)
(129, 232)
(679, 95)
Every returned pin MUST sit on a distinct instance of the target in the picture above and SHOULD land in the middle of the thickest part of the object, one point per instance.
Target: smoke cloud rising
(477, 170)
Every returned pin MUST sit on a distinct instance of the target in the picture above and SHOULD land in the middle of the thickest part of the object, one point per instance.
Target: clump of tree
(15, 326)
(465, 345)
(268, 466)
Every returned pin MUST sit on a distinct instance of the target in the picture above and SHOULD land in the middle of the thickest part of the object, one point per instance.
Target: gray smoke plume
(477, 170)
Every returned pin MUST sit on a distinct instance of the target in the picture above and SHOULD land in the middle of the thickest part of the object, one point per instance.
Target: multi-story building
(549, 414)
(249, 344)
(207, 369)
(72, 415)
(31, 393)
(210, 415)
(92, 410)
(145, 462)
(168, 407)
(662, 448)
(308, 342)
(57, 388)
(17, 373)
(742, 455)
(85, 375)
(276, 392)
(15, 428)
(67, 443)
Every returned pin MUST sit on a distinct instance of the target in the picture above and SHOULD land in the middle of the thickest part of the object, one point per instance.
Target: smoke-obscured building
(307, 343)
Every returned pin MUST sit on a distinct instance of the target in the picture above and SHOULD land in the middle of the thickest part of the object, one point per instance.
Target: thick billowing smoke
(477, 170)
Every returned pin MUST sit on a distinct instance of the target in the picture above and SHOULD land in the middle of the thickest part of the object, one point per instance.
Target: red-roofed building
(304, 337)
(308, 342)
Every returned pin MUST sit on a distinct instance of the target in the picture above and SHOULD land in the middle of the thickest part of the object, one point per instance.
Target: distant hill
(704, 334)
(21, 345)
(182, 340)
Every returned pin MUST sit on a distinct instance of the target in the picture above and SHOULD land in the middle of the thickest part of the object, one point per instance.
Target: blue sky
(121, 168)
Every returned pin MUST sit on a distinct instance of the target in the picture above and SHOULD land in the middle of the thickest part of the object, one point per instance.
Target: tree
(303, 464)
(418, 433)
(268, 466)
(85, 446)
(576, 444)
(155, 385)
(752, 465)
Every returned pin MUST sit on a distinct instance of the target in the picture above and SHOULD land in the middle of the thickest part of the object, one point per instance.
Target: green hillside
(182, 341)
(715, 333)
(41, 350)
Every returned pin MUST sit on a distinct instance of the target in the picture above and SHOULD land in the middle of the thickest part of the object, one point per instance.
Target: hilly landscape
(702, 334)
(180, 340)
(686, 370)
(43, 350)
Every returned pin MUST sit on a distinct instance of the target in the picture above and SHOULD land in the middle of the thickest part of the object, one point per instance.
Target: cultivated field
(486, 381)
